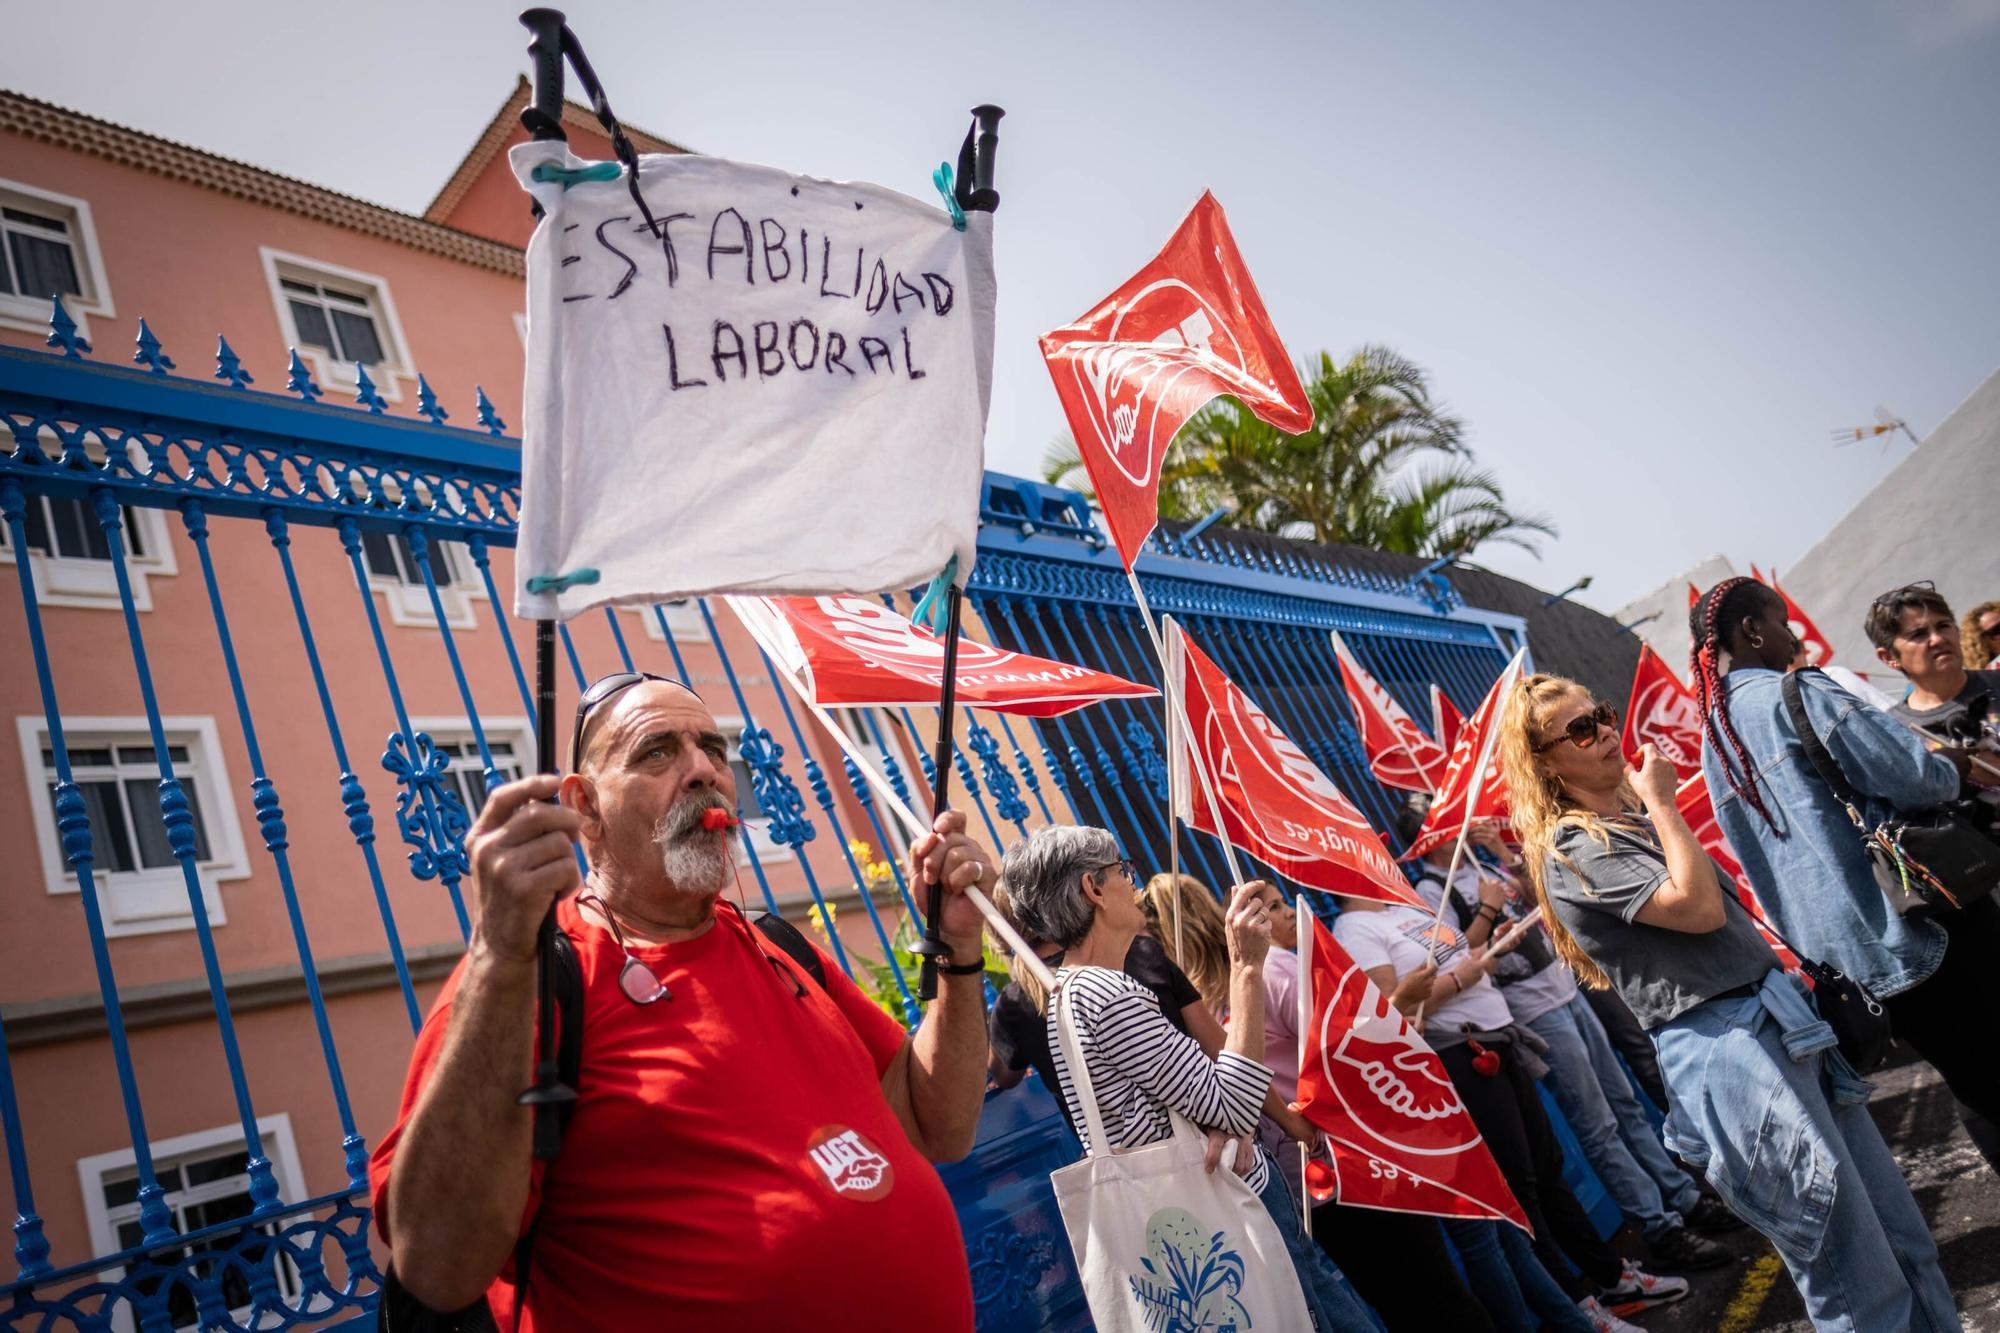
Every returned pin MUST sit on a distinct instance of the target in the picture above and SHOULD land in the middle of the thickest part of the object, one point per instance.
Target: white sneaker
(1638, 1289)
(1603, 1320)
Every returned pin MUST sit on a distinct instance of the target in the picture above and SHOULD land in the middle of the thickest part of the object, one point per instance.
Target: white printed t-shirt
(1398, 937)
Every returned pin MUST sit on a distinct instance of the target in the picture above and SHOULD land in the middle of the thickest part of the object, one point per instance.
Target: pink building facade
(125, 226)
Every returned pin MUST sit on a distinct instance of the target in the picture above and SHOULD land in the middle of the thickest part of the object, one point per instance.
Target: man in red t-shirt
(749, 1149)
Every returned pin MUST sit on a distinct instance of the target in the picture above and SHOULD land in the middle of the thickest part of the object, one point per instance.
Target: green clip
(942, 179)
(568, 176)
(560, 583)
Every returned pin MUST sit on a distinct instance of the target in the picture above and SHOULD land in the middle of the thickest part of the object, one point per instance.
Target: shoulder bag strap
(1079, 1072)
(793, 941)
(1817, 754)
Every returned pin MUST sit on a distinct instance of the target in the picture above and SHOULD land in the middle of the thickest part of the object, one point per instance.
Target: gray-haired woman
(1070, 886)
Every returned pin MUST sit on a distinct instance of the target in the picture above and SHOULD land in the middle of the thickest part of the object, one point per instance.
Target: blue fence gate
(263, 675)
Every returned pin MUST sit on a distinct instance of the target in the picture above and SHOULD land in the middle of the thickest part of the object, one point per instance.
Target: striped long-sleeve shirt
(1140, 1064)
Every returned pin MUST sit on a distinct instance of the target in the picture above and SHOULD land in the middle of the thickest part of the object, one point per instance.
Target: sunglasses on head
(1582, 730)
(603, 690)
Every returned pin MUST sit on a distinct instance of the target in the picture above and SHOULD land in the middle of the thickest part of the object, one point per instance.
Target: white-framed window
(205, 1178)
(683, 619)
(139, 883)
(70, 556)
(337, 316)
(393, 571)
(510, 740)
(48, 247)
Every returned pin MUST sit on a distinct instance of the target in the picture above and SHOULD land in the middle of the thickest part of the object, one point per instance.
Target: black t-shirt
(1019, 1032)
(1934, 720)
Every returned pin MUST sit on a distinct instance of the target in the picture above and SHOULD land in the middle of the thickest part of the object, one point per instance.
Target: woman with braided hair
(1802, 853)
(1763, 1104)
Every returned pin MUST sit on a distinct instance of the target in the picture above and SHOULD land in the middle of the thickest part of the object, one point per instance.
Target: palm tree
(1351, 478)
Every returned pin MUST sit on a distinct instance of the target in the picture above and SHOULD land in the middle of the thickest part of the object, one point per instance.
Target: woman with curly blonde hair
(1979, 636)
(1762, 1101)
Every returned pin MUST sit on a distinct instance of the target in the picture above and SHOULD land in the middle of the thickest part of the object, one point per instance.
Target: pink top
(1281, 1020)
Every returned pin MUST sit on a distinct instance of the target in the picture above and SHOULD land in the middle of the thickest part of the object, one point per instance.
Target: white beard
(696, 864)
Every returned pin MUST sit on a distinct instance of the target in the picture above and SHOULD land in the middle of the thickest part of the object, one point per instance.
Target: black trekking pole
(543, 119)
(974, 191)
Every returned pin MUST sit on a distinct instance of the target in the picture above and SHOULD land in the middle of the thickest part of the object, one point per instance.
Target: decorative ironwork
(1007, 1266)
(62, 331)
(295, 1269)
(1007, 802)
(229, 366)
(300, 381)
(488, 417)
(149, 353)
(429, 814)
(427, 403)
(365, 393)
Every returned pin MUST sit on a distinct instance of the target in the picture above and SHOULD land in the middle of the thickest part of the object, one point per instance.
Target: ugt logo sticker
(851, 1166)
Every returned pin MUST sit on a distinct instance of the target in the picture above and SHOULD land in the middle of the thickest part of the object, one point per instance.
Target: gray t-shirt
(1660, 973)
(1934, 720)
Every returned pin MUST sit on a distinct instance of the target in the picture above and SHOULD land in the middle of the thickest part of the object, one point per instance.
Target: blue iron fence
(281, 498)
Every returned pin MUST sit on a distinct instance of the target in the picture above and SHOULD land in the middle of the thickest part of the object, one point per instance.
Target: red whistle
(717, 820)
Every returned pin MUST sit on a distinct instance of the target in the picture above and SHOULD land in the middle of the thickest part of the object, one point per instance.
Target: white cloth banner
(786, 393)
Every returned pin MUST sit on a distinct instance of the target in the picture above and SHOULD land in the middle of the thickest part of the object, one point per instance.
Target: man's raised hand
(522, 855)
(947, 855)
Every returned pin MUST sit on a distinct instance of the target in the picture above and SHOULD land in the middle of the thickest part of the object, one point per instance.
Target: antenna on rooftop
(1885, 423)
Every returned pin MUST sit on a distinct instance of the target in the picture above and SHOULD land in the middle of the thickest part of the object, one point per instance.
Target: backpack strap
(1817, 754)
(793, 941)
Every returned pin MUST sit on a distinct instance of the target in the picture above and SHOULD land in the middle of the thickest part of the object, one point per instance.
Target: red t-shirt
(732, 1163)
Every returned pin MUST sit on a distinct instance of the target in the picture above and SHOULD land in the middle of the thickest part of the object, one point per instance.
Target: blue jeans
(1766, 1108)
(1335, 1306)
(1509, 1280)
(1596, 1098)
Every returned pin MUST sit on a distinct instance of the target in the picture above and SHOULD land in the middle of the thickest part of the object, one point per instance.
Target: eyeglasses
(1582, 731)
(637, 980)
(603, 690)
(1122, 863)
(1922, 588)
(1990, 631)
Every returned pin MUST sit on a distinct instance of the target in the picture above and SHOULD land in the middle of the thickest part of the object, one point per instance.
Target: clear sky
(1652, 254)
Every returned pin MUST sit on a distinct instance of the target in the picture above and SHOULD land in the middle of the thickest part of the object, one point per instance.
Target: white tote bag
(1162, 1245)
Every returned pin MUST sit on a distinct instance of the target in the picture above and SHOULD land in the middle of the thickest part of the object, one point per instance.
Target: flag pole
(1304, 1024)
(1471, 802)
(1178, 707)
(974, 192)
(543, 120)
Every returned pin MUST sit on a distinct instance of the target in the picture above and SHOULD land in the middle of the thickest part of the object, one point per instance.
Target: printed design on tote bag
(1192, 1277)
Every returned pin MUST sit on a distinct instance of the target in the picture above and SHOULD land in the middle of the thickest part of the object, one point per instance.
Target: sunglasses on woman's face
(1582, 729)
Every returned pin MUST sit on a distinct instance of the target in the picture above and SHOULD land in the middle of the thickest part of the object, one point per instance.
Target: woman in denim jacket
(1763, 1104)
(1803, 855)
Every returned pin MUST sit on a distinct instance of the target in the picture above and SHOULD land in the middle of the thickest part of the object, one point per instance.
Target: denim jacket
(1749, 1131)
(1809, 871)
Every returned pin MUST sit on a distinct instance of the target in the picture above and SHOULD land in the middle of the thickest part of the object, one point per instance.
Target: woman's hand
(1413, 991)
(1655, 780)
(1249, 926)
(1219, 1143)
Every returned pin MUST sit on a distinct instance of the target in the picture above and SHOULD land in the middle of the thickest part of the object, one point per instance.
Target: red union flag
(1818, 651)
(1692, 800)
(1665, 713)
(1470, 790)
(1445, 719)
(856, 652)
(1399, 754)
(1402, 1139)
(1276, 804)
(1183, 329)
